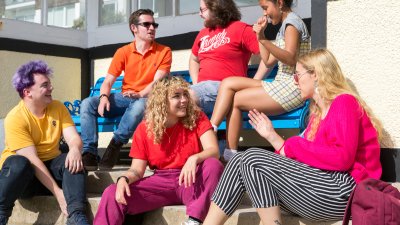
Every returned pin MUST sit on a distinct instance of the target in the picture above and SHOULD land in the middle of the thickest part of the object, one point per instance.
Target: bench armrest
(73, 108)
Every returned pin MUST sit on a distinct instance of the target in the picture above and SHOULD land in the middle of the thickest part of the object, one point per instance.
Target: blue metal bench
(295, 119)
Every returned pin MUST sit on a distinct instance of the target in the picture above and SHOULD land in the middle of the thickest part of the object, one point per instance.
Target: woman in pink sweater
(310, 175)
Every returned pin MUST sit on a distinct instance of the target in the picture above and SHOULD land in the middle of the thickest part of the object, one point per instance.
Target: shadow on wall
(390, 157)
(386, 140)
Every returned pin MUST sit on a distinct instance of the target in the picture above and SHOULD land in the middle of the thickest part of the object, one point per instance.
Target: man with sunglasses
(143, 61)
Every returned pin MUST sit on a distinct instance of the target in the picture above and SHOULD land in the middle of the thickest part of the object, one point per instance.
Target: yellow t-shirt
(23, 129)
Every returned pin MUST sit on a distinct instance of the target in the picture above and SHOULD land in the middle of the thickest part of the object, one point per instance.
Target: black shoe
(77, 218)
(89, 161)
(111, 155)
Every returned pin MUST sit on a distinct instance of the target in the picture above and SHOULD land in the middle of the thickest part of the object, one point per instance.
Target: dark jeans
(17, 180)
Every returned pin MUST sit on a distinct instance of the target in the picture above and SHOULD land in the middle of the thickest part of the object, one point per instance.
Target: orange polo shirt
(140, 69)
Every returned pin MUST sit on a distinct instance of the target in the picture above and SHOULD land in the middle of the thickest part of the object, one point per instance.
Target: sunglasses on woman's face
(148, 24)
(298, 75)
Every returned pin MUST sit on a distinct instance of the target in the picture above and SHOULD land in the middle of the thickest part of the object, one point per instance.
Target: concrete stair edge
(44, 210)
(99, 180)
(174, 215)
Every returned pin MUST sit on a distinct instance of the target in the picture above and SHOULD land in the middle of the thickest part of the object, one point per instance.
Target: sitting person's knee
(21, 166)
(194, 96)
(228, 83)
(109, 192)
(88, 103)
(213, 164)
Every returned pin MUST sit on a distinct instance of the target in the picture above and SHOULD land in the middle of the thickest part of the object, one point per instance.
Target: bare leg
(215, 216)
(270, 216)
(233, 127)
(245, 100)
(226, 92)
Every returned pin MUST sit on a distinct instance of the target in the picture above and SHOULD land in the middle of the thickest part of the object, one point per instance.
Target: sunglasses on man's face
(148, 24)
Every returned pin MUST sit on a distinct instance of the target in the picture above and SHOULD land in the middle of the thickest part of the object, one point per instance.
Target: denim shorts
(206, 92)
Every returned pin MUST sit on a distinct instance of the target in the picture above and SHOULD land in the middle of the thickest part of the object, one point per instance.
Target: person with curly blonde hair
(311, 175)
(177, 141)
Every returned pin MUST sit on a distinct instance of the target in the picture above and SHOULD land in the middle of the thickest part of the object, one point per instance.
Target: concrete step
(44, 210)
(174, 215)
(98, 180)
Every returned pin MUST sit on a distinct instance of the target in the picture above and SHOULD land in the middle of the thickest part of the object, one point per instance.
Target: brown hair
(134, 17)
(222, 12)
(286, 3)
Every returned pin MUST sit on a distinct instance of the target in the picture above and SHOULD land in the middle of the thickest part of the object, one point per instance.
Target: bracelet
(125, 177)
(103, 95)
(280, 149)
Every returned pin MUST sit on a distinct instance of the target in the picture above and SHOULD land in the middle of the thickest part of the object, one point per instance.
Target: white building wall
(97, 36)
(364, 36)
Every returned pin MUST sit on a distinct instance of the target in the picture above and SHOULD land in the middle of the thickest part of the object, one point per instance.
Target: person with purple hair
(32, 163)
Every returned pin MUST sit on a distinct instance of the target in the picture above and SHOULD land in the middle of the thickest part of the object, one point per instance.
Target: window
(72, 13)
(25, 10)
(159, 7)
(241, 3)
(113, 12)
(188, 7)
(66, 13)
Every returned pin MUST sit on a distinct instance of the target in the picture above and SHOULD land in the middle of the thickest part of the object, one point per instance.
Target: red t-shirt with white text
(225, 52)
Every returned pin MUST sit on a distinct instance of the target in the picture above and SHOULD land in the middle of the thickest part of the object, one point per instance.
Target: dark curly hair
(286, 3)
(222, 12)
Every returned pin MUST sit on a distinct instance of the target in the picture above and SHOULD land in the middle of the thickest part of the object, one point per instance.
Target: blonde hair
(330, 83)
(158, 105)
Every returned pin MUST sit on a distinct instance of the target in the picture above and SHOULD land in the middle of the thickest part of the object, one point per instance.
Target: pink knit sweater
(345, 141)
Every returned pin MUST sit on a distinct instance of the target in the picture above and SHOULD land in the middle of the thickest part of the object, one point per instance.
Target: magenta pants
(162, 189)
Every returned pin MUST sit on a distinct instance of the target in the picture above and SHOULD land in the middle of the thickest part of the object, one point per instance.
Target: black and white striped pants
(272, 180)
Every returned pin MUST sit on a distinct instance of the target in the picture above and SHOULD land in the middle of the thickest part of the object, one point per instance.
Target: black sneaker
(111, 155)
(89, 161)
(77, 218)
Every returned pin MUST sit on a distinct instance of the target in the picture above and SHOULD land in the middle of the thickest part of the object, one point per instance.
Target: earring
(316, 88)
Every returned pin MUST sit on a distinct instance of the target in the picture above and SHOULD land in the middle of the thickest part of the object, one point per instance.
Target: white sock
(229, 153)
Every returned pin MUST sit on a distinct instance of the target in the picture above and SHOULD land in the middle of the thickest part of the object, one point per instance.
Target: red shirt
(175, 148)
(225, 52)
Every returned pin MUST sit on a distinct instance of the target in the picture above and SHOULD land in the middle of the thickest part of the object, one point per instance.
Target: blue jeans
(17, 180)
(131, 110)
(206, 92)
